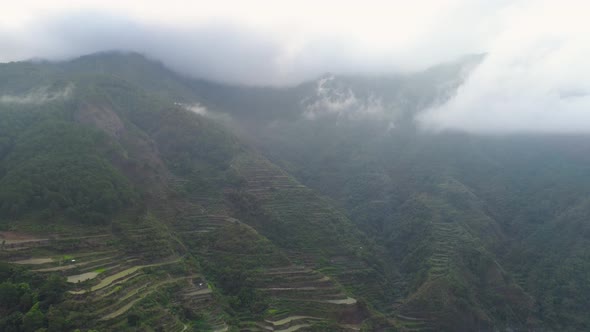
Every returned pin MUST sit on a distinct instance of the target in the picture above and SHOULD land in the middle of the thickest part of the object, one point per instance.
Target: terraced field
(413, 324)
(299, 296)
(446, 236)
(320, 237)
(199, 296)
(311, 277)
(109, 280)
(299, 287)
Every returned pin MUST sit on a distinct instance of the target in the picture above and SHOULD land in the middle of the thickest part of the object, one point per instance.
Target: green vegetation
(55, 169)
(136, 188)
(161, 218)
(27, 300)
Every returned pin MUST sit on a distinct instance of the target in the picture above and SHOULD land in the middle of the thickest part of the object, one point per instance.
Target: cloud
(216, 51)
(207, 113)
(256, 42)
(536, 77)
(37, 96)
(331, 99)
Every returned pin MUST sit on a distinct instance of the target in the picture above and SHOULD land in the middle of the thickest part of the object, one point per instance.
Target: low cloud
(331, 99)
(285, 49)
(37, 97)
(535, 79)
(196, 108)
(205, 112)
(220, 52)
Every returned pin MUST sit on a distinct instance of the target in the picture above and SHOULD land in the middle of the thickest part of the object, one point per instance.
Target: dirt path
(34, 261)
(16, 237)
(288, 320)
(71, 266)
(82, 277)
(348, 300)
(294, 328)
(199, 292)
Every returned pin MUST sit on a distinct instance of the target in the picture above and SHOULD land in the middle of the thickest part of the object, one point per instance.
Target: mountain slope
(171, 246)
(316, 207)
(399, 184)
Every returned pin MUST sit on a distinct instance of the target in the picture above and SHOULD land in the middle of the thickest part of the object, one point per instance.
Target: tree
(34, 319)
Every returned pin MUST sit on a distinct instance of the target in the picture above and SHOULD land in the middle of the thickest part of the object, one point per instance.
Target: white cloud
(197, 108)
(330, 99)
(37, 96)
(253, 42)
(536, 77)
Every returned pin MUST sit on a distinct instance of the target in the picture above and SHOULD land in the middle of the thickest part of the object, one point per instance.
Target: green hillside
(472, 221)
(140, 211)
(135, 199)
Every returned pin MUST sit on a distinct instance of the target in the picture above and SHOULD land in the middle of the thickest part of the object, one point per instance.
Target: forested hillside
(143, 213)
(135, 199)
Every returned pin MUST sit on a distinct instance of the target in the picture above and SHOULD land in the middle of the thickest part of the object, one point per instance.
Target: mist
(535, 77)
(262, 43)
(340, 102)
(37, 96)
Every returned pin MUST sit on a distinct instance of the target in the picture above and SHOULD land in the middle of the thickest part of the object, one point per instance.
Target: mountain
(134, 198)
(139, 213)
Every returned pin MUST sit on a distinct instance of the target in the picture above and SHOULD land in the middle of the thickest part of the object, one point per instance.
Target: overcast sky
(536, 76)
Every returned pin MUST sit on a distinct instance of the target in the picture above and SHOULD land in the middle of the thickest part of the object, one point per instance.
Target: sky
(535, 77)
